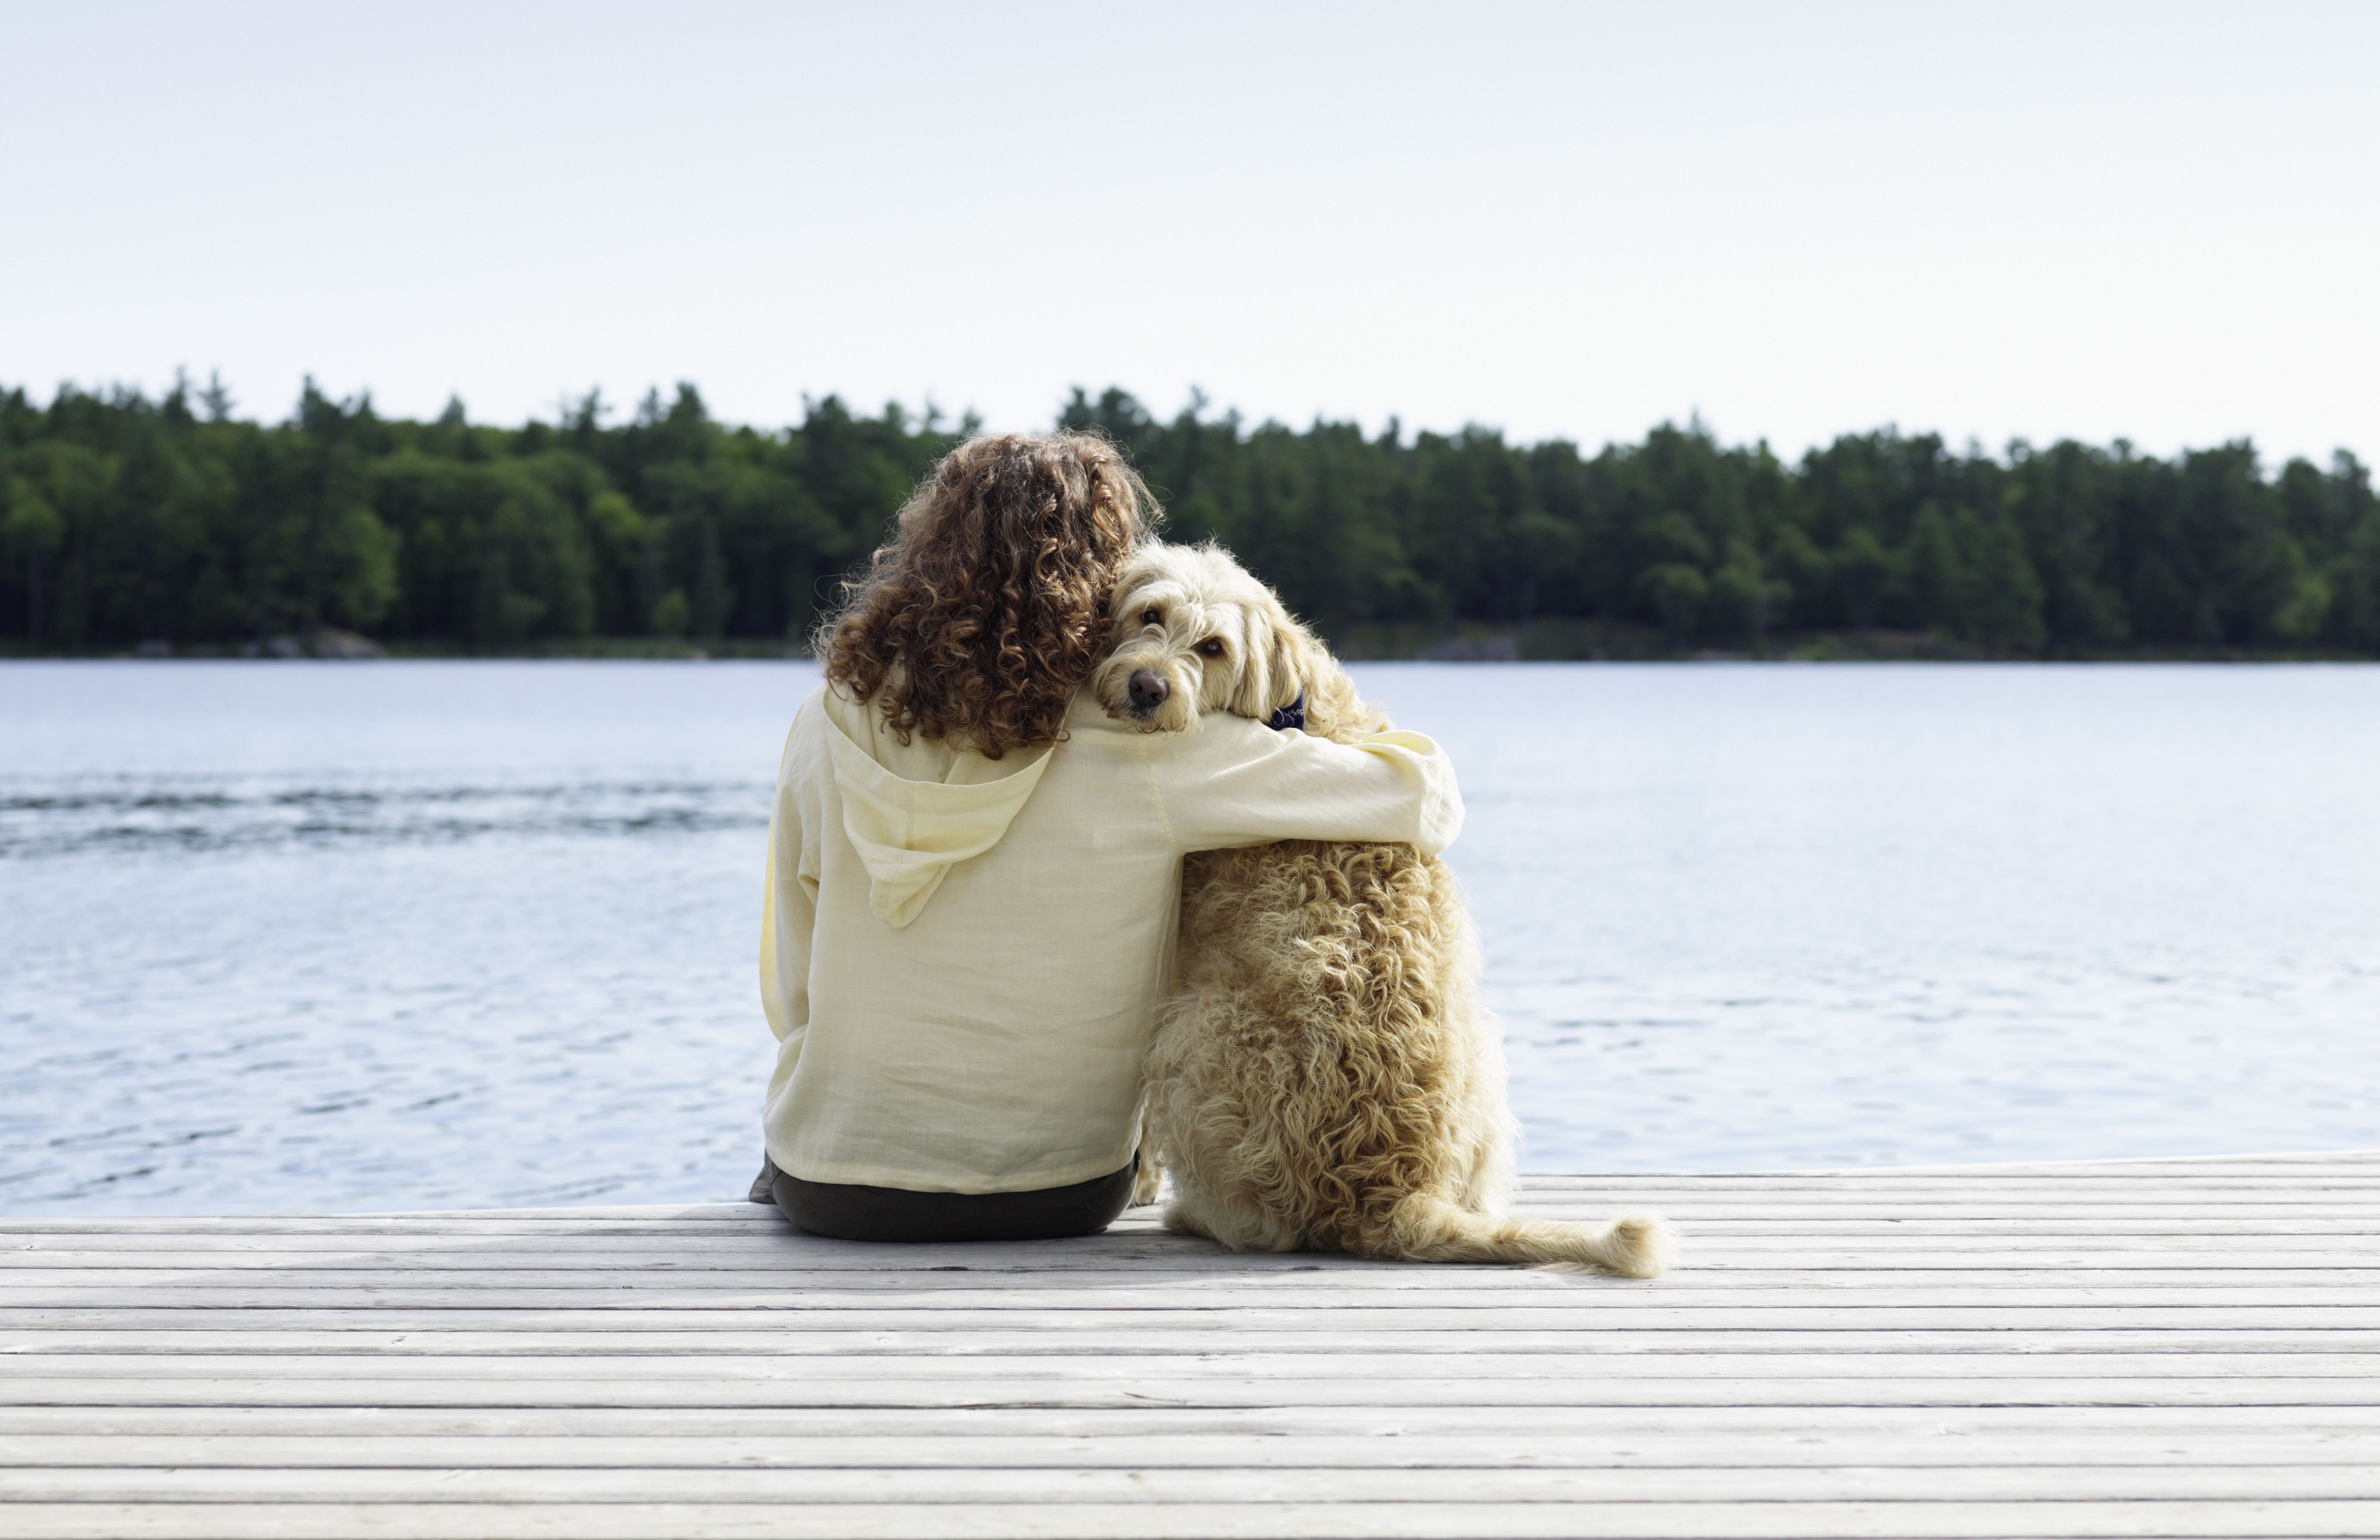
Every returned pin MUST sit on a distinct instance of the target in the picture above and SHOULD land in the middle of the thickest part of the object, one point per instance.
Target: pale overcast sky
(2159, 221)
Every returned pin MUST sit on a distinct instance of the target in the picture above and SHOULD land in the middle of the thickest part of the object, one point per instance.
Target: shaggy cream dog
(1323, 1078)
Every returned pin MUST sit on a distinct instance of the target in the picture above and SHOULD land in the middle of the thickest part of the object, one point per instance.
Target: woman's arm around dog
(1233, 782)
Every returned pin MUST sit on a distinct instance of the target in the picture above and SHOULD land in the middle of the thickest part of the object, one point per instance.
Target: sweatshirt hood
(910, 834)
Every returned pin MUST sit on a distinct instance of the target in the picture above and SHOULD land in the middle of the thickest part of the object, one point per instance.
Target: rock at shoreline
(1500, 647)
(326, 641)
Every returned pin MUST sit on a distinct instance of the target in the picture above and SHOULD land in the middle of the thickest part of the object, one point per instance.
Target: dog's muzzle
(1145, 691)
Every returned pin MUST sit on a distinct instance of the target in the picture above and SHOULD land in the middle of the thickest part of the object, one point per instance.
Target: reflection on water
(305, 935)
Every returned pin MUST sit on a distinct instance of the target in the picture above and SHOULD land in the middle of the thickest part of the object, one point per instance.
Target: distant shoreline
(1547, 641)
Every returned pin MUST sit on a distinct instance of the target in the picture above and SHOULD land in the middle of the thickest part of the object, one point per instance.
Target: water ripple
(197, 818)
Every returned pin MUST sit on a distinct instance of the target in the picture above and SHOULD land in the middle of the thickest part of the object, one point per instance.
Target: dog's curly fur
(1323, 1078)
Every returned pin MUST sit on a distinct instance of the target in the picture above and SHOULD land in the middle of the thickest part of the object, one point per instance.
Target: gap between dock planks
(2160, 1347)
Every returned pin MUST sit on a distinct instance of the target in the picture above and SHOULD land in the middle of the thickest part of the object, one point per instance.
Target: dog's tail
(1426, 1229)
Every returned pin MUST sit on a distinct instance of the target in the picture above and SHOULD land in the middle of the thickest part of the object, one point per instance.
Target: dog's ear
(1334, 707)
(1273, 673)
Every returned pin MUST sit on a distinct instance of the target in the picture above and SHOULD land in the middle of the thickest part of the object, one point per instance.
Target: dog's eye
(1212, 647)
(1152, 617)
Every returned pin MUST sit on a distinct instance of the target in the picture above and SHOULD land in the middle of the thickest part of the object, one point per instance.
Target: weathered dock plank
(2168, 1348)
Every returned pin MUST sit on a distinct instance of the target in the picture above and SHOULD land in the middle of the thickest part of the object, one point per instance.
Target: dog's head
(1194, 634)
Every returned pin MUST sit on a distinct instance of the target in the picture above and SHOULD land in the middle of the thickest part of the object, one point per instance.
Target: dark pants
(849, 1213)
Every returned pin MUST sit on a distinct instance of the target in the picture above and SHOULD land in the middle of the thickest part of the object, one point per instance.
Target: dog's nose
(1146, 690)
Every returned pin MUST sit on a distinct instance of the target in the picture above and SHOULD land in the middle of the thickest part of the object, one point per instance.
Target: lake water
(355, 936)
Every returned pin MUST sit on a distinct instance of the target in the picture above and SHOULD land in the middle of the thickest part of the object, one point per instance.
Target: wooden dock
(2176, 1348)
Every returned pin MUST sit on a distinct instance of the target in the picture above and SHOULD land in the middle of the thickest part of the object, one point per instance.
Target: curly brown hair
(988, 609)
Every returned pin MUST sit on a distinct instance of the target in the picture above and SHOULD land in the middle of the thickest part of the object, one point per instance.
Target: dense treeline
(125, 521)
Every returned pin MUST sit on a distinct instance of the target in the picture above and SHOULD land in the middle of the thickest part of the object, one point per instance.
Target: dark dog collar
(1290, 718)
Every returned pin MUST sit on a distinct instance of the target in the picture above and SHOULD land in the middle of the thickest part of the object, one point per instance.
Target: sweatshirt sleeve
(788, 915)
(1233, 782)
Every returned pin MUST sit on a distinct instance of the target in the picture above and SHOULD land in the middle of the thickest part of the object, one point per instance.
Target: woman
(973, 872)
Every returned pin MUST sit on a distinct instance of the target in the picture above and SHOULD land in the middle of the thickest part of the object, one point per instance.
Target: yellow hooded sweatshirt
(961, 957)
